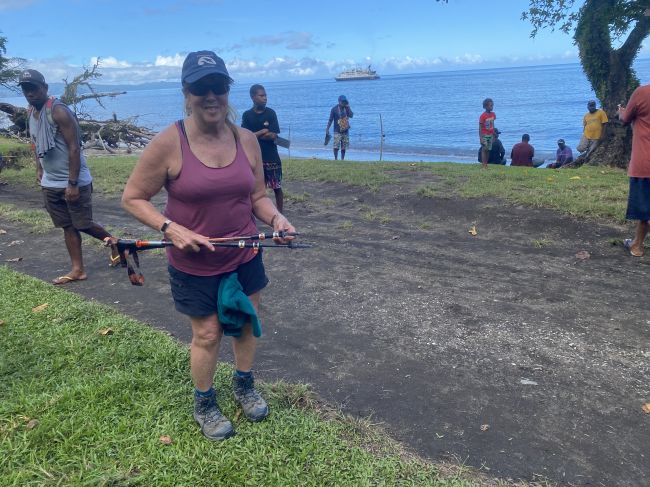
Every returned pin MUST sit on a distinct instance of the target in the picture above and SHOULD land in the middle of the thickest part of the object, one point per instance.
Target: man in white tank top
(61, 171)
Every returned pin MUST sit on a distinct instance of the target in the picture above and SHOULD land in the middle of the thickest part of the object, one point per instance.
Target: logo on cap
(206, 60)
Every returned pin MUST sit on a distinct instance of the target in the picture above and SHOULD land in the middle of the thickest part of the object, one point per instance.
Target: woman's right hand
(187, 240)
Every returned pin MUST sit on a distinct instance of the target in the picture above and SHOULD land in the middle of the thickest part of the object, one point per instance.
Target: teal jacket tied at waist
(234, 308)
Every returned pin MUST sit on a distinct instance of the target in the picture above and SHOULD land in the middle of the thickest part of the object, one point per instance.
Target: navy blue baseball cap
(342, 98)
(32, 77)
(202, 63)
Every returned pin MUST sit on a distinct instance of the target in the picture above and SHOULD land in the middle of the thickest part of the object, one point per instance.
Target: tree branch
(632, 44)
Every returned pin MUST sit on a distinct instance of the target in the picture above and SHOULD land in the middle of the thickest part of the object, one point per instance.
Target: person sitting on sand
(563, 155)
(497, 154)
(522, 153)
(62, 171)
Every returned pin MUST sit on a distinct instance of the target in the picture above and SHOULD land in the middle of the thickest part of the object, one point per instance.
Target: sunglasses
(201, 88)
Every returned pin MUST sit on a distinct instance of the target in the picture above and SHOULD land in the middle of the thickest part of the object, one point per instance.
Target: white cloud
(176, 60)
(409, 63)
(468, 59)
(109, 62)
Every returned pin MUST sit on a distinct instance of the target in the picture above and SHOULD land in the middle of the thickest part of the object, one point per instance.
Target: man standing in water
(340, 115)
(263, 122)
(61, 171)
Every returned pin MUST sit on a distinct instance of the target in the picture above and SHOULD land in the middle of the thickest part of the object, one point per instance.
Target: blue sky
(140, 41)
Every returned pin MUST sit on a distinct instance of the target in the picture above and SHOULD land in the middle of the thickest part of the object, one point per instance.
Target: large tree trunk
(611, 75)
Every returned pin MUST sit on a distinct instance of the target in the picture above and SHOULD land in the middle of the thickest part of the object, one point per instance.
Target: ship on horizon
(357, 74)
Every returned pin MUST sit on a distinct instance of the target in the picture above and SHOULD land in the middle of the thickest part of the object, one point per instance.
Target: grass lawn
(37, 221)
(588, 192)
(81, 406)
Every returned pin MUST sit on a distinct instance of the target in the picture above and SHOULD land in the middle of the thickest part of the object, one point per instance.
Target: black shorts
(77, 214)
(638, 202)
(197, 295)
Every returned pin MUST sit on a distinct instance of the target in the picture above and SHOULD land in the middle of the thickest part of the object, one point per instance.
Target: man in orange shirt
(637, 112)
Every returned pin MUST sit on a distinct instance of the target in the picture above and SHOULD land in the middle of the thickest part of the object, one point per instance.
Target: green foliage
(564, 14)
(9, 67)
(550, 14)
(598, 24)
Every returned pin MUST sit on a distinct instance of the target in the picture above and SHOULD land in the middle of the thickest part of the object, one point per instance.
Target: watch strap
(165, 225)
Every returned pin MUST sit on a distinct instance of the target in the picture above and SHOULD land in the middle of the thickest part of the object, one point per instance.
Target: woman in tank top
(212, 171)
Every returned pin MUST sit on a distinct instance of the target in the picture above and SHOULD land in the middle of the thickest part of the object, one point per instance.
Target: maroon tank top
(215, 202)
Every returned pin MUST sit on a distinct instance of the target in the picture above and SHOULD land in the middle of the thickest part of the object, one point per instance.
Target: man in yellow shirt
(594, 122)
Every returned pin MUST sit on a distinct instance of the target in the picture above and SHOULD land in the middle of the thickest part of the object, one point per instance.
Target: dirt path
(401, 314)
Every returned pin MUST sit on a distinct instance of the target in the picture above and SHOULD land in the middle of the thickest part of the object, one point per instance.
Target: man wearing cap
(62, 171)
(340, 116)
(594, 123)
(563, 155)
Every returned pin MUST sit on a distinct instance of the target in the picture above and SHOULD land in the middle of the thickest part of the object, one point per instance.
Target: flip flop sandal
(61, 280)
(627, 243)
(115, 261)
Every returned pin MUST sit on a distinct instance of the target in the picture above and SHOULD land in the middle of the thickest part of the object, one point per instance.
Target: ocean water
(426, 117)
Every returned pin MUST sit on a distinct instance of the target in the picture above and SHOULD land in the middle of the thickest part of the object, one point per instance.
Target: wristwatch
(165, 225)
(73, 182)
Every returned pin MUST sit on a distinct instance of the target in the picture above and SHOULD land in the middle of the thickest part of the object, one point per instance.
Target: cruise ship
(357, 74)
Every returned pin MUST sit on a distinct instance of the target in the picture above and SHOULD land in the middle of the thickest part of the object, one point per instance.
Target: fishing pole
(128, 248)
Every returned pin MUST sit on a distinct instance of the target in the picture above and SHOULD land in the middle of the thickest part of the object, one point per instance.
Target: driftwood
(110, 135)
(113, 135)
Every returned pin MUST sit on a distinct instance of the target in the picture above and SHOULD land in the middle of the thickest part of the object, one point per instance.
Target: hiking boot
(214, 425)
(253, 405)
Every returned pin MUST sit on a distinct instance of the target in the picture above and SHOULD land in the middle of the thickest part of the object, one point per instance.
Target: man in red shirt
(486, 130)
(637, 112)
(522, 153)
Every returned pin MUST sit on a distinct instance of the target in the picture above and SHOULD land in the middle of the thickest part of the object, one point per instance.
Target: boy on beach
(486, 130)
(263, 122)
